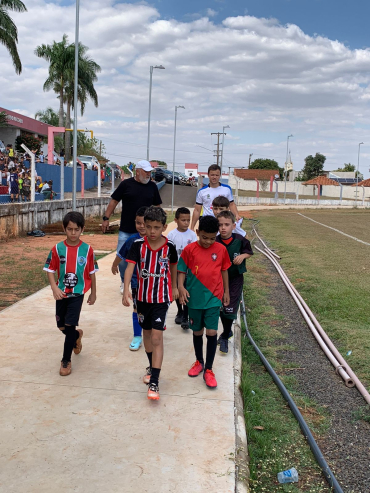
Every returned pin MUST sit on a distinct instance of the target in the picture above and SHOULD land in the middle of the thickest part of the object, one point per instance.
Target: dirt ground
(22, 259)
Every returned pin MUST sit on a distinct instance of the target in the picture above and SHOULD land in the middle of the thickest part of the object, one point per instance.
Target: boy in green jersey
(75, 264)
(239, 249)
(205, 263)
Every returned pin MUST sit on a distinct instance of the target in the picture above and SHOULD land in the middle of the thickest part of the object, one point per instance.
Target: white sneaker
(121, 288)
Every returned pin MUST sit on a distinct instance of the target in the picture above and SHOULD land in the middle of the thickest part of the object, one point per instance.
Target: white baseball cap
(145, 165)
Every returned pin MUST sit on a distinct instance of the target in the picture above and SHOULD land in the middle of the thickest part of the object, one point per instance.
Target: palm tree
(48, 116)
(9, 31)
(87, 70)
(61, 59)
(3, 119)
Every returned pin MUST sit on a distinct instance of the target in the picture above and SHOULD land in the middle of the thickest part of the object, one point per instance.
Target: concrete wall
(298, 187)
(17, 219)
(8, 135)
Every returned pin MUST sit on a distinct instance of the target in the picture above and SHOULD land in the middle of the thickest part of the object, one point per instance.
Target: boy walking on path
(156, 260)
(181, 237)
(239, 249)
(121, 255)
(205, 262)
(75, 264)
(220, 204)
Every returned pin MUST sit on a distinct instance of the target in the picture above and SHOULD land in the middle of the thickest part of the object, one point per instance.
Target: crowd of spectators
(15, 174)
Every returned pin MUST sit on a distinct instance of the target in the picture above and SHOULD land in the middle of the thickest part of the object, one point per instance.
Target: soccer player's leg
(158, 319)
(196, 324)
(211, 317)
(137, 339)
(144, 319)
(229, 313)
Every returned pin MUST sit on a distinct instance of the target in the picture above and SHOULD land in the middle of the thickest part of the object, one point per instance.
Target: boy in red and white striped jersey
(156, 260)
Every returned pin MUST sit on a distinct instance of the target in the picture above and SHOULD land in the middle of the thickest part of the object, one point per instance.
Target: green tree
(30, 141)
(87, 70)
(267, 164)
(314, 166)
(51, 117)
(347, 167)
(61, 65)
(3, 119)
(9, 31)
(89, 147)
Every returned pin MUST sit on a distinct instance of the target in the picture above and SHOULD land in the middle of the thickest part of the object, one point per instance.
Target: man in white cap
(138, 191)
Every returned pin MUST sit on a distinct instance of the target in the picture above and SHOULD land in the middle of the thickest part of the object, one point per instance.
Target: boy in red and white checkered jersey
(156, 260)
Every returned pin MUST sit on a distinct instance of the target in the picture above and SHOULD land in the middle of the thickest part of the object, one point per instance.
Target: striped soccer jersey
(153, 270)
(74, 265)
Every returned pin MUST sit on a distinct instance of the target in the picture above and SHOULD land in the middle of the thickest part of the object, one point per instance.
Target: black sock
(227, 324)
(154, 377)
(150, 356)
(185, 315)
(179, 307)
(70, 341)
(198, 347)
(211, 351)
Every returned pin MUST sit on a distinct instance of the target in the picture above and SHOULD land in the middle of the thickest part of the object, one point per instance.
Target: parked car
(160, 174)
(89, 161)
(184, 179)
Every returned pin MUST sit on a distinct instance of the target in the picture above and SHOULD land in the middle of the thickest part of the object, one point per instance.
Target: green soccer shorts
(204, 318)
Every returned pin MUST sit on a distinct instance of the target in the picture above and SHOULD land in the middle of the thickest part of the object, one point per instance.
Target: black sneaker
(224, 345)
(178, 318)
(222, 335)
(185, 323)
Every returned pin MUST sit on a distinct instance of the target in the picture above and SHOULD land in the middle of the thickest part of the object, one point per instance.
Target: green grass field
(331, 273)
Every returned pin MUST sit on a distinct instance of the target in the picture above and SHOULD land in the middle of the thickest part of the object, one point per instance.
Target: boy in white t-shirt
(220, 204)
(182, 236)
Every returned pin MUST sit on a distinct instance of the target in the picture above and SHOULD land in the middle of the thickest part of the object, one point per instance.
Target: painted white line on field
(337, 230)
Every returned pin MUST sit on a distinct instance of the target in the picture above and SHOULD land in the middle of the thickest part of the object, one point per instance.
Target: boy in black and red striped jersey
(156, 260)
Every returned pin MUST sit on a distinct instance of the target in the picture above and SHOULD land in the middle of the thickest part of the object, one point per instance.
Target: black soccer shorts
(152, 315)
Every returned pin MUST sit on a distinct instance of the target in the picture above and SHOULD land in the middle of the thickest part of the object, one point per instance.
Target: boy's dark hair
(221, 201)
(226, 215)
(155, 214)
(214, 167)
(181, 210)
(208, 224)
(141, 211)
(74, 217)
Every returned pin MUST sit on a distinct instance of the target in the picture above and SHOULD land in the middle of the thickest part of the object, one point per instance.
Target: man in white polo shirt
(208, 193)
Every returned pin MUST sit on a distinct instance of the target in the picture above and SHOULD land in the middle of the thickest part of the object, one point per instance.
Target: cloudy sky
(266, 68)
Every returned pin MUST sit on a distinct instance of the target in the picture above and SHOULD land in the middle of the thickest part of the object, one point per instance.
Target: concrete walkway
(95, 430)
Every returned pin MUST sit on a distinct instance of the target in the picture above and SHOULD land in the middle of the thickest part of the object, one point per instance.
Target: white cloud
(264, 79)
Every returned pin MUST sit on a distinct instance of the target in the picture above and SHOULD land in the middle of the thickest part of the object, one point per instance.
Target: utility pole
(250, 157)
(218, 145)
(100, 148)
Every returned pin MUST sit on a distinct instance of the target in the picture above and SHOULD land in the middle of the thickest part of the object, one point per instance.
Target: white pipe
(264, 244)
(343, 363)
(330, 344)
(338, 367)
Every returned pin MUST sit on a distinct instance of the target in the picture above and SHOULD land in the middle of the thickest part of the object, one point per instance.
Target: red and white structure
(191, 169)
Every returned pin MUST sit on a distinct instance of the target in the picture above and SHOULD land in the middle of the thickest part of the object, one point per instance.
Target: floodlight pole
(286, 165)
(358, 168)
(74, 176)
(173, 162)
(150, 105)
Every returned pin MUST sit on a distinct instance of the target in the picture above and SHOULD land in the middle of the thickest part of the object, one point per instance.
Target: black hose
(305, 429)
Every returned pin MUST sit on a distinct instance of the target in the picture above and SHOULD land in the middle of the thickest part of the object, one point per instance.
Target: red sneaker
(196, 369)
(210, 379)
(153, 392)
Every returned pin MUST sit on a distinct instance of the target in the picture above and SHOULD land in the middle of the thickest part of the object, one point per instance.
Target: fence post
(258, 189)
(271, 183)
(112, 175)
